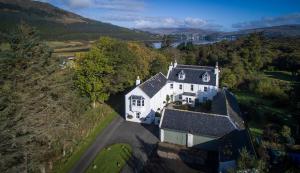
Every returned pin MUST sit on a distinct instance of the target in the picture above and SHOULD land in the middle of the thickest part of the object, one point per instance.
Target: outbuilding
(194, 129)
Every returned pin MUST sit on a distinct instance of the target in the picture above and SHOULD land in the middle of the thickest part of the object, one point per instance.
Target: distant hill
(57, 24)
(174, 31)
(274, 31)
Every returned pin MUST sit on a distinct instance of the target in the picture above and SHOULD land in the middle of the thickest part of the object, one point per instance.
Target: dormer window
(181, 75)
(205, 77)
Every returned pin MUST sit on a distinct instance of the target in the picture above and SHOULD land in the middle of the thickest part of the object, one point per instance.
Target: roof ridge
(211, 114)
(234, 124)
(193, 68)
(195, 65)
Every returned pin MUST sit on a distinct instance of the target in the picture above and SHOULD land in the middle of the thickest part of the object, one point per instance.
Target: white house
(220, 129)
(185, 83)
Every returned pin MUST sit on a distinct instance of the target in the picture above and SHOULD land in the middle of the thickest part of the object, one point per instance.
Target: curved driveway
(142, 138)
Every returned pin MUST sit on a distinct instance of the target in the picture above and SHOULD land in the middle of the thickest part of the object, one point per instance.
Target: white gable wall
(144, 111)
(157, 101)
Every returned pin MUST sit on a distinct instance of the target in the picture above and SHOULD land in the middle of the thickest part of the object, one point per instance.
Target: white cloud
(269, 21)
(160, 22)
(123, 5)
(194, 22)
(80, 3)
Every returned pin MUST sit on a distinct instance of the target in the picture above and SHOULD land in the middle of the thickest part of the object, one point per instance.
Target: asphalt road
(142, 138)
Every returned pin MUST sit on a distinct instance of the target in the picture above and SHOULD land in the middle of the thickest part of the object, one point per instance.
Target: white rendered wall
(162, 135)
(186, 87)
(144, 111)
(190, 140)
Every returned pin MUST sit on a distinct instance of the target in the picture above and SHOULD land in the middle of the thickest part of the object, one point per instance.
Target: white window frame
(171, 86)
(205, 89)
(192, 87)
(180, 86)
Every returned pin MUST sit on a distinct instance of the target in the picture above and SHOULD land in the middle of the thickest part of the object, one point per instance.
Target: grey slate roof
(189, 94)
(193, 74)
(225, 103)
(197, 123)
(154, 84)
(234, 142)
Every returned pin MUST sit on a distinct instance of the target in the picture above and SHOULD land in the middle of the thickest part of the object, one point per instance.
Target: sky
(222, 15)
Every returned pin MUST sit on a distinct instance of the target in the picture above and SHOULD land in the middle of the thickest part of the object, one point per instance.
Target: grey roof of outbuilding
(154, 84)
(197, 123)
(234, 142)
(193, 74)
(225, 103)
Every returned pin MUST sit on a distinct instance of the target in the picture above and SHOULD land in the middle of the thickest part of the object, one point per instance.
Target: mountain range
(273, 31)
(58, 24)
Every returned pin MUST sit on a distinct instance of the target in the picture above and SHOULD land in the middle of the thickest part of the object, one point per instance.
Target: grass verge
(111, 159)
(83, 146)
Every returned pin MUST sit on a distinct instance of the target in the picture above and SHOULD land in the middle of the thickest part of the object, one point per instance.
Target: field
(111, 159)
(69, 48)
(261, 111)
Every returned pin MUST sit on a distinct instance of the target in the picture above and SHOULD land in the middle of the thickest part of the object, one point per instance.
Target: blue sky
(224, 15)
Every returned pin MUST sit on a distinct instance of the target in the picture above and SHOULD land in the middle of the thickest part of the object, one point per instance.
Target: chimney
(138, 81)
(170, 69)
(175, 63)
(217, 74)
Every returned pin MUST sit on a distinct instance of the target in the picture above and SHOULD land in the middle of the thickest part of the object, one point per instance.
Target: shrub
(268, 88)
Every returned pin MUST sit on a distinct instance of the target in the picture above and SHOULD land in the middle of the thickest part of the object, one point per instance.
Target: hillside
(57, 24)
(274, 31)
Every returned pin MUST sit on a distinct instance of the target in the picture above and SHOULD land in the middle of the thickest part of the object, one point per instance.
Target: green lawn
(111, 159)
(283, 76)
(83, 146)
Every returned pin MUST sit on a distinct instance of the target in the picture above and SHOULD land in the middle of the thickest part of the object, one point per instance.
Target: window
(205, 77)
(138, 115)
(190, 100)
(180, 86)
(205, 89)
(181, 75)
(171, 86)
(192, 87)
(133, 102)
(180, 97)
(143, 102)
(138, 103)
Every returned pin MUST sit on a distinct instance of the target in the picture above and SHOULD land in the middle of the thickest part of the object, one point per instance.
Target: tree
(167, 98)
(112, 65)
(91, 76)
(25, 44)
(228, 78)
(248, 163)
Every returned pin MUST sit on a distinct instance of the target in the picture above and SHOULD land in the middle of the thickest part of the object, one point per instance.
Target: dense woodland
(46, 111)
